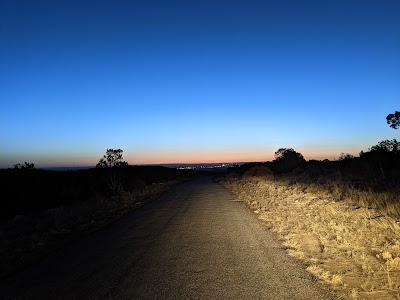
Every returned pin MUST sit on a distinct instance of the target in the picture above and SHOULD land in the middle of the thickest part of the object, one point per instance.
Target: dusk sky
(195, 81)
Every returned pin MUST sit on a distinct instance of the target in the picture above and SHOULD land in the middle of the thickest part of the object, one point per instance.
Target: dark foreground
(196, 242)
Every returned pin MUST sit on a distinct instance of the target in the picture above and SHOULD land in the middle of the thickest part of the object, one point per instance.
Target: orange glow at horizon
(172, 156)
(219, 156)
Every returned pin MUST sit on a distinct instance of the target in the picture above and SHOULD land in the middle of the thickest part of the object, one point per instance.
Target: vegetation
(27, 193)
(341, 217)
(394, 120)
(25, 165)
(40, 209)
(112, 158)
(113, 162)
(286, 160)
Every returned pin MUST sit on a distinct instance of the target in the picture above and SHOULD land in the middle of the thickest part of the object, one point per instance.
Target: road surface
(196, 242)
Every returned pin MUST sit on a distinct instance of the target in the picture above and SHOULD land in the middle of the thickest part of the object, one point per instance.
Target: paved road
(196, 242)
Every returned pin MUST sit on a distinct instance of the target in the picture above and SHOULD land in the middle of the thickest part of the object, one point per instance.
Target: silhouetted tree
(112, 161)
(286, 160)
(386, 155)
(112, 158)
(346, 156)
(26, 165)
(386, 146)
(394, 120)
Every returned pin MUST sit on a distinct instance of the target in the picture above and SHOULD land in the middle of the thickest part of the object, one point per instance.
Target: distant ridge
(67, 168)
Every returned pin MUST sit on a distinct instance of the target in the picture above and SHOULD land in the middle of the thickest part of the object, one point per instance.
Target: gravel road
(196, 242)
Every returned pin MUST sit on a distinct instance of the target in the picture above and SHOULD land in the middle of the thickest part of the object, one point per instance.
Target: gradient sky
(195, 81)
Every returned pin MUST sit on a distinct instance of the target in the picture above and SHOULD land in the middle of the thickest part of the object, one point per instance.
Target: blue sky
(195, 81)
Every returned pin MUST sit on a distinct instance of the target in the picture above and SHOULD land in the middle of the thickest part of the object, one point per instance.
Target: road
(196, 242)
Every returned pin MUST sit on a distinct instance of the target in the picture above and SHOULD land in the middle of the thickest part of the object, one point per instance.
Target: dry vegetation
(348, 236)
(36, 230)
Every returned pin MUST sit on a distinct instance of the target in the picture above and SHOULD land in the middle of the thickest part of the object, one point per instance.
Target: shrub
(259, 172)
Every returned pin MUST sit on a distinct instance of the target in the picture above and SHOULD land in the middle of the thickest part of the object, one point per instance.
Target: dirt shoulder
(354, 249)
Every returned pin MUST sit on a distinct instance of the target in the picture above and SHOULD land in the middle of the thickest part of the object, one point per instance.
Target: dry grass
(352, 244)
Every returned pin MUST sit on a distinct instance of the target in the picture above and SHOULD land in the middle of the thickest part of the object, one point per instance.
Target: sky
(195, 81)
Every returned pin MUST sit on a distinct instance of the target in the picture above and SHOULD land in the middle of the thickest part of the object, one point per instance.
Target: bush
(259, 172)
(286, 160)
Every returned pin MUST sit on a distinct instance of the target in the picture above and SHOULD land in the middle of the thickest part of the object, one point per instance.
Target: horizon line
(164, 164)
